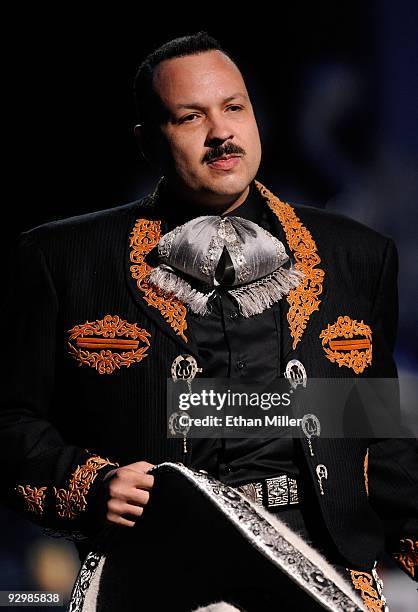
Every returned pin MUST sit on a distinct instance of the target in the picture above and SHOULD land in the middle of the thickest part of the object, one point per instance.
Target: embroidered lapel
(168, 314)
(171, 314)
(303, 300)
(143, 238)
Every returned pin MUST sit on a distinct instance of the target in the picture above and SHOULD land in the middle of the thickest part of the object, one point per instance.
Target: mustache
(228, 149)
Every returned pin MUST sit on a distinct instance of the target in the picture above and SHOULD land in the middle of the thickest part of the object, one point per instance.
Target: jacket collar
(171, 315)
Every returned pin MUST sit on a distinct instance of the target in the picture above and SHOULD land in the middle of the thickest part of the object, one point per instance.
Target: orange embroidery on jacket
(34, 498)
(70, 502)
(144, 237)
(366, 472)
(363, 581)
(349, 344)
(304, 299)
(407, 556)
(105, 334)
(348, 353)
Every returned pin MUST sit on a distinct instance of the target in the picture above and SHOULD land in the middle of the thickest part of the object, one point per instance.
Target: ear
(149, 144)
(141, 141)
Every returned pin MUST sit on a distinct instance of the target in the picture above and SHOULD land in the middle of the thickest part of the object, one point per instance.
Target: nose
(218, 132)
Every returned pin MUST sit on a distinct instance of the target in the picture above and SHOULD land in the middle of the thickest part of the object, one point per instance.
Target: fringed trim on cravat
(252, 299)
(256, 297)
(166, 279)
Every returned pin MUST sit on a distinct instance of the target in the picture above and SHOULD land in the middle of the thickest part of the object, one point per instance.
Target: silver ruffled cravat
(232, 252)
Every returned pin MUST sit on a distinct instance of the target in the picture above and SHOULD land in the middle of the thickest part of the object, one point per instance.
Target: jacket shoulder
(337, 222)
(338, 233)
(87, 223)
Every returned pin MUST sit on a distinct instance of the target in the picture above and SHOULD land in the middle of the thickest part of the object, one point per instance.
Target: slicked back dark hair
(146, 101)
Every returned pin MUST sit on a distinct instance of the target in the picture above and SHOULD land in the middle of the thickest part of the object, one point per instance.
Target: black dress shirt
(248, 349)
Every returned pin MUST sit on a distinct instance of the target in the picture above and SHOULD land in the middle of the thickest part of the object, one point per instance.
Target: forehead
(203, 78)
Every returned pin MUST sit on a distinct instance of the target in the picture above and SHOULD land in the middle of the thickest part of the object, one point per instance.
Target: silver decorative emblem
(295, 373)
(175, 427)
(311, 425)
(322, 473)
(184, 367)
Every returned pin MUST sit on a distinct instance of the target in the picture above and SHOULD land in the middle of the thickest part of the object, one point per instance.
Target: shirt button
(233, 315)
(227, 468)
(240, 365)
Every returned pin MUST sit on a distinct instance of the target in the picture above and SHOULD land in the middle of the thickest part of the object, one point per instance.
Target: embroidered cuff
(67, 511)
(73, 501)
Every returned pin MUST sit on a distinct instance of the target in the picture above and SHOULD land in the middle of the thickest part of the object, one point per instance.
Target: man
(93, 340)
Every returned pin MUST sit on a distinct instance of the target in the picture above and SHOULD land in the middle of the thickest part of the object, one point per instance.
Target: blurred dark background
(335, 90)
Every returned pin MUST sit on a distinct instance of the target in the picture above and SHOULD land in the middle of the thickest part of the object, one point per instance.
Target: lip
(226, 162)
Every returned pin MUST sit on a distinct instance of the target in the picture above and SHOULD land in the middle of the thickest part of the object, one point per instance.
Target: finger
(124, 510)
(129, 494)
(126, 491)
(138, 497)
(137, 479)
(131, 512)
(114, 519)
(146, 482)
(120, 507)
(141, 466)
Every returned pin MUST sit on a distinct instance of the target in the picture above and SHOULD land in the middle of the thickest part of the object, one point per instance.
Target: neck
(197, 203)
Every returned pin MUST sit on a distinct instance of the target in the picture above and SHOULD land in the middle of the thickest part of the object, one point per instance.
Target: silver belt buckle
(280, 491)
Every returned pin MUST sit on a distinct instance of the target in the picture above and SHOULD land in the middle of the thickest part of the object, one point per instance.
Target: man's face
(210, 137)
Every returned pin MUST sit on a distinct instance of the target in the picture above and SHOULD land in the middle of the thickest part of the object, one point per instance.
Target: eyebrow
(197, 105)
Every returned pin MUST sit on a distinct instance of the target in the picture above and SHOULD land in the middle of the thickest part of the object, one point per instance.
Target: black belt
(280, 491)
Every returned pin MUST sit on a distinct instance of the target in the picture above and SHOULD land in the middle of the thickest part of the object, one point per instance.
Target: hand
(127, 493)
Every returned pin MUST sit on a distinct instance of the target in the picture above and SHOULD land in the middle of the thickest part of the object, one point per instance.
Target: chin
(229, 185)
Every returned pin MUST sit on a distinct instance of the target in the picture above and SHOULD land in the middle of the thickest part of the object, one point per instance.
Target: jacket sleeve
(51, 481)
(392, 470)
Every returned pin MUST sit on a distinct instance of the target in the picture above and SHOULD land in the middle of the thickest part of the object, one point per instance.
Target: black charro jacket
(89, 346)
